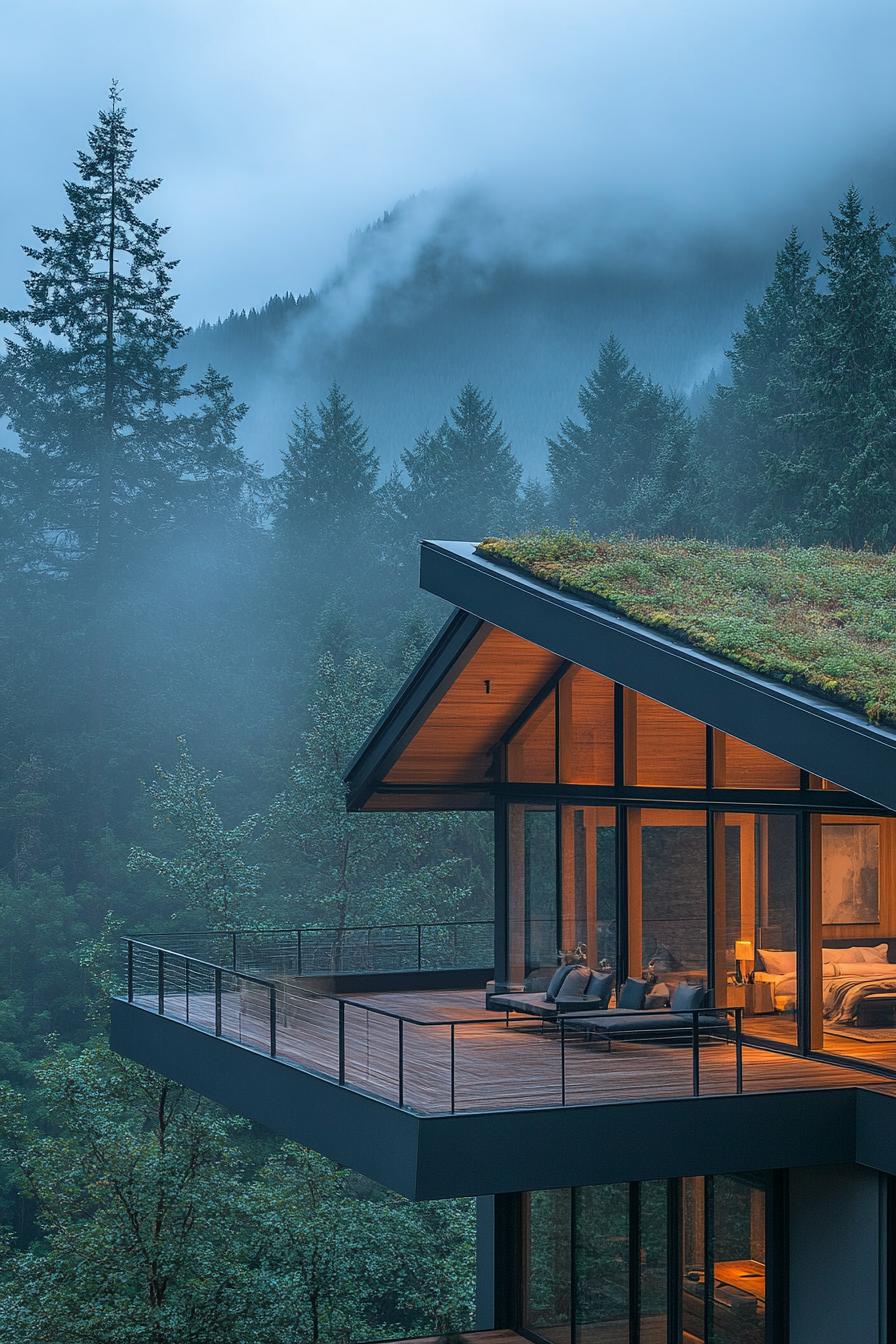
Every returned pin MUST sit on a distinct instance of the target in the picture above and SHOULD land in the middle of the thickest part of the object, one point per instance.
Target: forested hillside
(193, 647)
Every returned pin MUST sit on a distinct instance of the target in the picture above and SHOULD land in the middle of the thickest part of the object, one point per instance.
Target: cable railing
(313, 950)
(434, 1065)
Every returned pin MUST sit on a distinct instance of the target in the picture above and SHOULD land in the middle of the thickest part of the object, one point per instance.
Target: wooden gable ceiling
(480, 698)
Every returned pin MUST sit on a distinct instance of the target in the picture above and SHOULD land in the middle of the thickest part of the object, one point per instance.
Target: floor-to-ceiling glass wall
(531, 894)
(853, 902)
(654, 1262)
(588, 883)
(601, 1230)
(756, 873)
(547, 1264)
(667, 895)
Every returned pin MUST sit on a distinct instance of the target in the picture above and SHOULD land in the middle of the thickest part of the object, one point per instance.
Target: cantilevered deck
(438, 1051)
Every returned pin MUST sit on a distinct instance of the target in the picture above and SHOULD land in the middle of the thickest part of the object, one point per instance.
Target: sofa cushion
(632, 994)
(600, 986)
(685, 998)
(556, 981)
(574, 984)
(658, 996)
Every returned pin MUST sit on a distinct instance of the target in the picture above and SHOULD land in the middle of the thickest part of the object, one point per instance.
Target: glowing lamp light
(743, 955)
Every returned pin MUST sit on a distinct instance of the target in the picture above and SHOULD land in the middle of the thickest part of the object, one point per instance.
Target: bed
(858, 981)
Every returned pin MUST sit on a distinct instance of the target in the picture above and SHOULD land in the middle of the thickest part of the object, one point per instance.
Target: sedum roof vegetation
(818, 618)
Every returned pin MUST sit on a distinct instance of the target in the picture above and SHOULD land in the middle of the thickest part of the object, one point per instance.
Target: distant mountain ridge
(436, 294)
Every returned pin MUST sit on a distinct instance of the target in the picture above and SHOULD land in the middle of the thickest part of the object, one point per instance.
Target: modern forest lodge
(666, 1065)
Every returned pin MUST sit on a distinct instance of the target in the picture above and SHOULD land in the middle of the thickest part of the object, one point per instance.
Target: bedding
(845, 985)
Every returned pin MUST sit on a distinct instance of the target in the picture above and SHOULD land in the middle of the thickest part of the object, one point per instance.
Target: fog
(583, 130)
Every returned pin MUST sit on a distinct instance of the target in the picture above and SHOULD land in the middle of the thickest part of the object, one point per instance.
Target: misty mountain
(438, 293)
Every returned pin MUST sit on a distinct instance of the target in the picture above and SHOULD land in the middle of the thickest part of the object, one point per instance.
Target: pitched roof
(817, 618)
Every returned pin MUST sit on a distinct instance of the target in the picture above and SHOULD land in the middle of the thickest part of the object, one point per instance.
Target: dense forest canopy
(192, 649)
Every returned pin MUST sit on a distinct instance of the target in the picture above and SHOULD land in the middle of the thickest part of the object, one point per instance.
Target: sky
(280, 127)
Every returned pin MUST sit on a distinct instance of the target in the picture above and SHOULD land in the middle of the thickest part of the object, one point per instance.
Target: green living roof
(819, 618)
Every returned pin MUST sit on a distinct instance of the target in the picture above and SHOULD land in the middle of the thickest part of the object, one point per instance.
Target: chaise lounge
(674, 1023)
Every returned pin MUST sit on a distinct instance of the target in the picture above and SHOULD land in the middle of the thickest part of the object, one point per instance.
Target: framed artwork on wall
(850, 873)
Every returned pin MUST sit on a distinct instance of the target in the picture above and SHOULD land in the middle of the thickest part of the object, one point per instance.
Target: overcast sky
(279, 126)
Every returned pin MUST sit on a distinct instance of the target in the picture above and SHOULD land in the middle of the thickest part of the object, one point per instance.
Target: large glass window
(601, 1263)
(547, 1266)
(755, 858)
(588, 882)
(531, 894)
(667, 896)
(853, 896)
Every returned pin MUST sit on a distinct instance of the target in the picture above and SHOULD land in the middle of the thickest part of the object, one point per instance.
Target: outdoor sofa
(571, 989)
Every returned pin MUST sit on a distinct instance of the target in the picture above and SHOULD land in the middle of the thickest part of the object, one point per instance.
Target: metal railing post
(695, 1054)
(187, 986)
(130, 970)
(273, 1020)
(562, 1062)
(342, 1040)
(161, 982)
(401, 1061)
(298, 951)
(233, 949)
(217, 1000)
(739, 1049)
(419, 948)
(452, 1068)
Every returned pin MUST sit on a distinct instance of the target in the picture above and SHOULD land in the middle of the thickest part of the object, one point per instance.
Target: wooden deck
(496, 1066)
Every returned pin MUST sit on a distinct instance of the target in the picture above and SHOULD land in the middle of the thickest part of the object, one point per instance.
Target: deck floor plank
(497, 1066)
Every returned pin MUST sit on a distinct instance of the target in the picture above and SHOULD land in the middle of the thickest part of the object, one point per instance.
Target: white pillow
(775, 961)
(854, 955)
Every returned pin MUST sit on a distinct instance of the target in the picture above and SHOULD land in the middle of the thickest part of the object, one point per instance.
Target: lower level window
(658, 1262)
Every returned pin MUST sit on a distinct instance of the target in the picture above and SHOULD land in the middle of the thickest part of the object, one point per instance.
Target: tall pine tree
(463, 479)
(329, 472)
(632, 443)
(109, 453)
(846, 473)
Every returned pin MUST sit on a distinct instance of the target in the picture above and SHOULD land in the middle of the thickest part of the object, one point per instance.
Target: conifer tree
(634, 437)
(751, 434)
(108, 451)
(463, 478)
(329, 472)
(847, 468)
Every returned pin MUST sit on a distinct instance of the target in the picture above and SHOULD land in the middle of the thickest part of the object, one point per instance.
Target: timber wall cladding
(488, 692)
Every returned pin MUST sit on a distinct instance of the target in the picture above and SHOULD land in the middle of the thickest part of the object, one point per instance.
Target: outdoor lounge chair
(674, 1024)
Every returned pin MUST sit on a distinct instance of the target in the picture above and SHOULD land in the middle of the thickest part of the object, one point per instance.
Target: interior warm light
(743, 955)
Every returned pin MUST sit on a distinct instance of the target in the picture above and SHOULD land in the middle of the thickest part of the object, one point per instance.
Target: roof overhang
(822, 738)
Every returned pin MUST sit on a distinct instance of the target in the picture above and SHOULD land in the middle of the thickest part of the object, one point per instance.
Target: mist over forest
(449, 288)
(208, 594)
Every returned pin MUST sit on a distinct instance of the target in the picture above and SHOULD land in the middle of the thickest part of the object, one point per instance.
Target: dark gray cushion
(632, 994)
(600, 986)
(556, 981)
(685, 998)
(574, 984)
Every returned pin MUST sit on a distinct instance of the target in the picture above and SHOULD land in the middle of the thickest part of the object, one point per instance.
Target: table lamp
(743, 955)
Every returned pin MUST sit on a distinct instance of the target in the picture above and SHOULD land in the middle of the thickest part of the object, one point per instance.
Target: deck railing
(423, 1065)
(344, 950)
